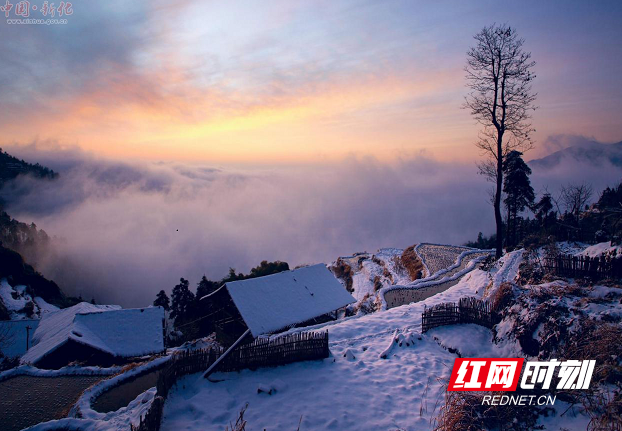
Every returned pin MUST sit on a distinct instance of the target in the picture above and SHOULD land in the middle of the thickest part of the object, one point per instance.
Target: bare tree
(498, 72)
(575, 197)
(7, 336)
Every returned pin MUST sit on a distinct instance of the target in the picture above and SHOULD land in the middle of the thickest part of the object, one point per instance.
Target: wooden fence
(468, 310)
(181, 364)
(260, 353)
(584, 266)
(302, 346)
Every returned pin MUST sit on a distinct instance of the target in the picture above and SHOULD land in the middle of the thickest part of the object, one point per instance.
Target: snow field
(353, 389)
(600, 249)
(368, 268)
(16, 298)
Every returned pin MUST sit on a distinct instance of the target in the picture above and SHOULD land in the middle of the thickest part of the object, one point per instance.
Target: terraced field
(438, 257)
(430, 286)
(370, 274)
(27, 400)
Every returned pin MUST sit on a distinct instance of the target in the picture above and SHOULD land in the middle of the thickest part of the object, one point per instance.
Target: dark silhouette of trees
(498, 72)
(580, 221)
(518, 191)
(7, 337)
(11, 167)
(575, 197)
(162, 300)
(610, 206)
(543, 210)
(267, 268)
(483, 242)
(261, 270)
(182, 301)
(205, 287)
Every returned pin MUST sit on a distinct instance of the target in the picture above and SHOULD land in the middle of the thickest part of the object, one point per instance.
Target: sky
(195, 136)
(295, 82)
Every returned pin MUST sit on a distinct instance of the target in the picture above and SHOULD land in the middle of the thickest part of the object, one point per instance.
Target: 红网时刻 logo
(503, 374)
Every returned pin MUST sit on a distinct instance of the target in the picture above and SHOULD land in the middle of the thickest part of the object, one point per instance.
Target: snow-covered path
(356, 391)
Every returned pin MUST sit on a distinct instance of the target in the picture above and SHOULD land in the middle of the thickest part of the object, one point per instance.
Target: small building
(271, 304)
(96, 335)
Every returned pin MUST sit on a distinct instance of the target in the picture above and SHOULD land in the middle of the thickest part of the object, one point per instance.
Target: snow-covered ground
(371, 271)
(600, 249)
(370, 382)
(353, 389)
(15, 299)
(372, 275)
(14, 333)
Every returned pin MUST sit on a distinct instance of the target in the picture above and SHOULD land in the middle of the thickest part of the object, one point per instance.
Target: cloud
(126, 230)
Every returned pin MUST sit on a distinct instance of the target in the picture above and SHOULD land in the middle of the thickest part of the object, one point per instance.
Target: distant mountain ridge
(591, 152)
(11, 167)
(19, 239)
(22, 237)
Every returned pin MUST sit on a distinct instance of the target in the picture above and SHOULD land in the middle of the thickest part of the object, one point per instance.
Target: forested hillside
(11, 167)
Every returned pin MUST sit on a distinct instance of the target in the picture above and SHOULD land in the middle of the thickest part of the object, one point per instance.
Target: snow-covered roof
(121, 333)
(277, 301)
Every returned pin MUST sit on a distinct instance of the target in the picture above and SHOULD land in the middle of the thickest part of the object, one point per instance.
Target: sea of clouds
(123, 230)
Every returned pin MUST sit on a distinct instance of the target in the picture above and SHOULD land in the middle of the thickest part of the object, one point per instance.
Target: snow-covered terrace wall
(423, 288)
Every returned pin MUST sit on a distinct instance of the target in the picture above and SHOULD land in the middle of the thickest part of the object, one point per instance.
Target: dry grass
(460, 412)
(411, 262)
(464, 411)
(240, 423)
(599, 341)
(605, 411)
(369, 304)
(344, 271)
(377, 284)
(502, 297)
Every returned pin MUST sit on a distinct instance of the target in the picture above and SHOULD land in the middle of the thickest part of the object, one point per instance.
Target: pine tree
(543, 208)
(182, 300)
(162, 300)
(518, 191)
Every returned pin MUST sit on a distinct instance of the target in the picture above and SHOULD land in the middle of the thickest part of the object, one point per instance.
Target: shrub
(599, 341)
(502, 297)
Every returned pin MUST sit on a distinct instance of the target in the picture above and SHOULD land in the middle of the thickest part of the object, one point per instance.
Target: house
(96, 335)
(270, 304)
